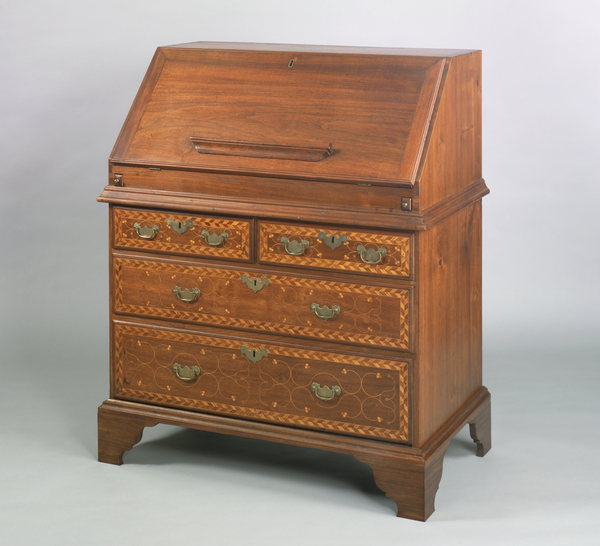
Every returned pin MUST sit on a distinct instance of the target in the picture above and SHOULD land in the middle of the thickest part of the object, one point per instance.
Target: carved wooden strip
(191, 242)
(344, 258)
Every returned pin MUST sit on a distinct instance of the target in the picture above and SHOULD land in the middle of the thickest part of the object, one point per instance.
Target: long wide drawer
(306, 388)
(182, 233)
(335, 311)
(345, 250)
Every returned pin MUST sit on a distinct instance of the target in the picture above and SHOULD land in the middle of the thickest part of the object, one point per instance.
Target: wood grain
(415, 473)
(374, 398)
(449, 317)
(368, 314)
(236, 247)
(453, 159)
(397, 372)
(397, 261)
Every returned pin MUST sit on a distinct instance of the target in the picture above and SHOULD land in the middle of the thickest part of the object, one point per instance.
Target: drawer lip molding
(370, 315)
(374, 402)
(188, 240)
(379, 219)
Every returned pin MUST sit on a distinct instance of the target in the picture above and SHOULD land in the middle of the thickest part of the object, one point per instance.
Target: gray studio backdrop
(69, 72)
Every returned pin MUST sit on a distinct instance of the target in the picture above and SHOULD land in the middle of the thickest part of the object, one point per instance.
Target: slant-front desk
(295, 255)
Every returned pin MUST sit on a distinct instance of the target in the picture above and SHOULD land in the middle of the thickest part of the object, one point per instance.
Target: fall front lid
(285, 111)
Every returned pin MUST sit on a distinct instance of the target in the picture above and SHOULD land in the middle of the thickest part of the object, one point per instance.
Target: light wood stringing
(375, 392)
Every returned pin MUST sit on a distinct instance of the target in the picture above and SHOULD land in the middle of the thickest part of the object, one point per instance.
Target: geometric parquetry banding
(237, 245)
(323, 330)
(397, 261)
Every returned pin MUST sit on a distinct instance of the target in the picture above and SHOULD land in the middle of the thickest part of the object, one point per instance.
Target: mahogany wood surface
(407, 475)
(368, 315)
(319, 99)
(340, 307)
(237, 246)
(449, 317)
(454, 154)
(345, 257)
(372, 398)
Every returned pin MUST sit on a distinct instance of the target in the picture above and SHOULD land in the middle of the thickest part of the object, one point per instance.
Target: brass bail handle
(371, 256)
(294, 248)
(145, 232)
(185, 373)
(186, 295)
(214, 239)
(326, 393)
(325, 312)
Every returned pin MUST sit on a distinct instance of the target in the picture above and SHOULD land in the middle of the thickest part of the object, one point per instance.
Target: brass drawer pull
(333, 241)
(253, 355)
(254, 284)
(213, 239)
(325, 312)
(294, 248)
(179, 226)
(326, 393)
(370, 256)
(185, 373)
(145, 232)
(186, 295)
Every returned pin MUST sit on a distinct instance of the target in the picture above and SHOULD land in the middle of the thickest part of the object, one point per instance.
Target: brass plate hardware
(145, 232)
(213, 239)
(333, 241)
(179, 226)
(118, 180)
(253, 355)
(325, 312)
(294, 248)
(326, 393)
(186, 295)
(371, 256)
(255, 284)
(185, 373)
(406, 203)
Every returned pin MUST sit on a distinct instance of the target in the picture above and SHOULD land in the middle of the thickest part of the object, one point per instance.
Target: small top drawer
(345, 250)
(182, 233)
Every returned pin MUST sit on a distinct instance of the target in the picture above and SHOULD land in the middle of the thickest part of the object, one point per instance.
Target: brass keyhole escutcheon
(254, 355)
(336, 240)
(178, 226)
(291, 63)
(255, 284)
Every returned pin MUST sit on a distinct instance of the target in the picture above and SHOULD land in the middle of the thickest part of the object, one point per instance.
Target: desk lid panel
(293, 113)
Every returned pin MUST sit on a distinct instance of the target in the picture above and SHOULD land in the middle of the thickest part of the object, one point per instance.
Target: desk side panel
(449, 368)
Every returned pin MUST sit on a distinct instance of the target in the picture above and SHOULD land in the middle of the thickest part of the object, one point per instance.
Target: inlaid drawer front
(282, 304)
(344, 250)
(181, 233)
(306, 388)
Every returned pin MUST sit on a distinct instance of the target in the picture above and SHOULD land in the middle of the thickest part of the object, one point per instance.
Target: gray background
(68, 74)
